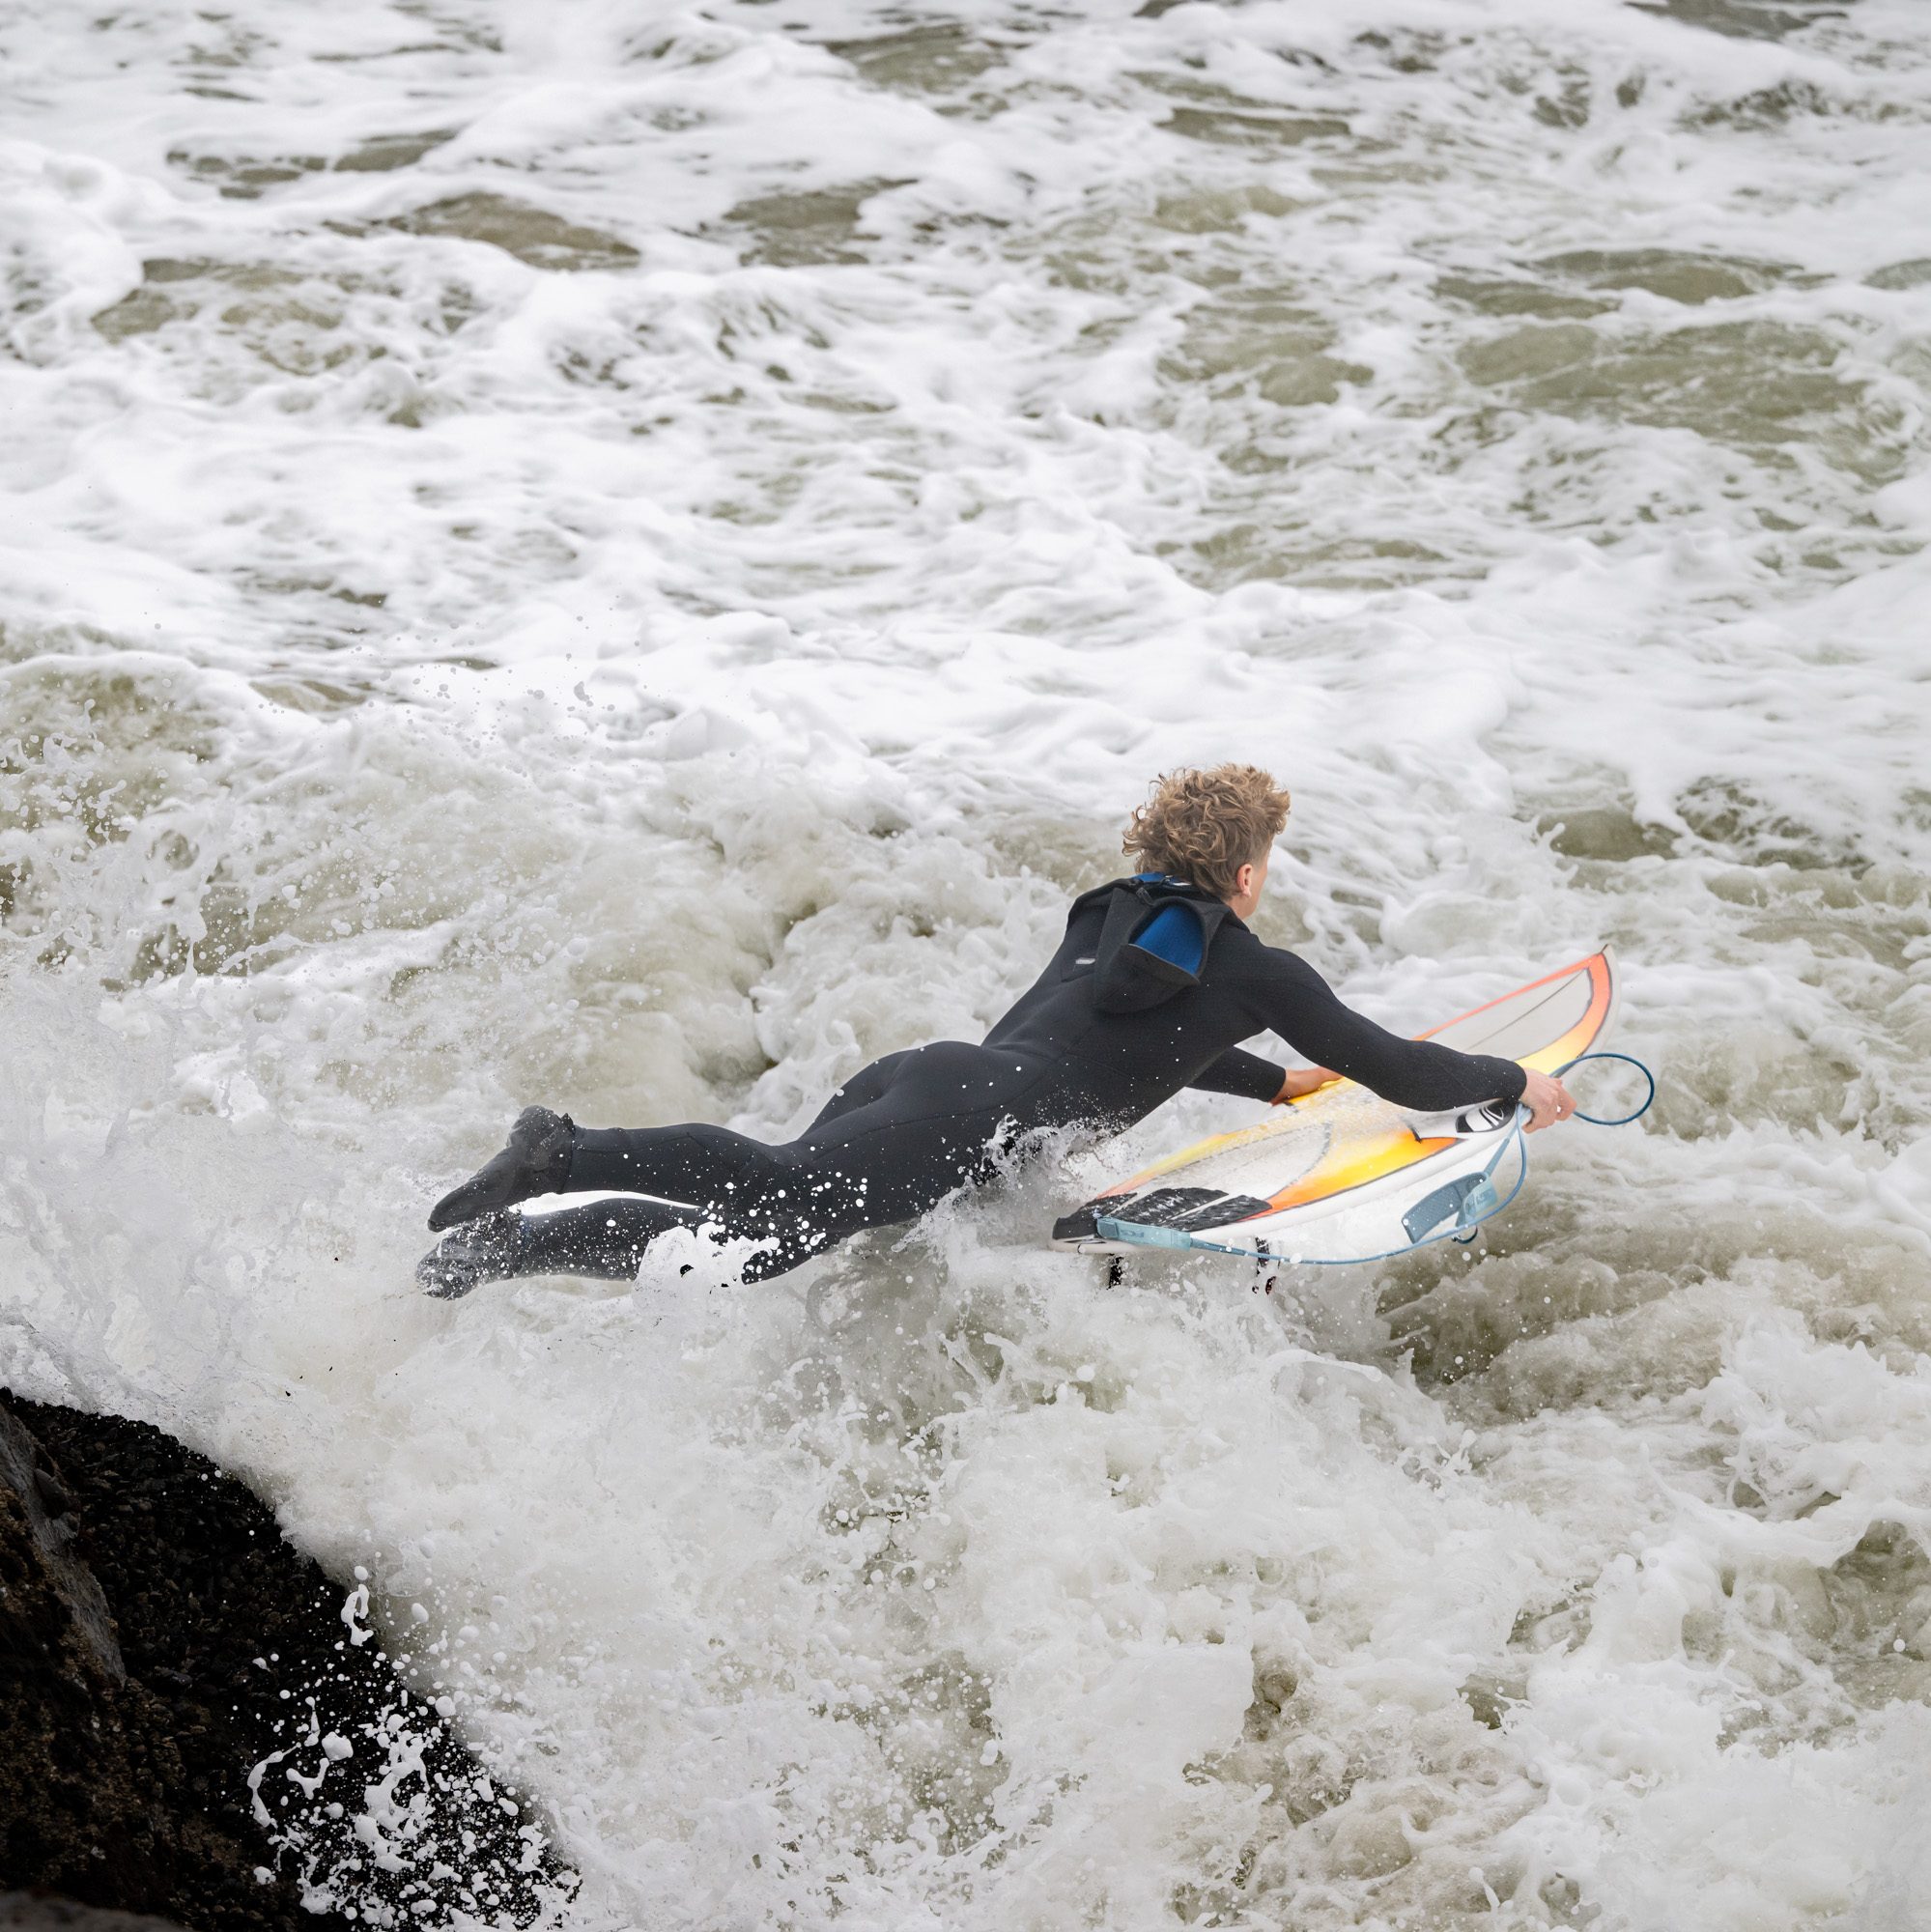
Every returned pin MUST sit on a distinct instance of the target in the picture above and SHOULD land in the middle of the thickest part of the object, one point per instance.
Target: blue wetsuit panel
(1172, 934)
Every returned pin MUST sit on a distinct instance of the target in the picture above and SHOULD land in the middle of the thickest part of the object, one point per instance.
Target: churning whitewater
(634, 558)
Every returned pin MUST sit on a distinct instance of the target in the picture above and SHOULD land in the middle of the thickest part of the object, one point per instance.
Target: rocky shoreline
(190, 1726)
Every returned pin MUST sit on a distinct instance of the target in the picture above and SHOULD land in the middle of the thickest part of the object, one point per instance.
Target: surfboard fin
(1466, 1200)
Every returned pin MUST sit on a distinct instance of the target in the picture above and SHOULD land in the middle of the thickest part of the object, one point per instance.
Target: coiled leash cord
(1487, 1209)
(1627, 1060)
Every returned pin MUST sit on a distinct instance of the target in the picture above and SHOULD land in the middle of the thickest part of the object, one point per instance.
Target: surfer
(1156, 982)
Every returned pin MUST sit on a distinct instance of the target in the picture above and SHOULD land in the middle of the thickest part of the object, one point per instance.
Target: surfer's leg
(699, 1166)
(895, 1139)
(789, 1196)
(881, 1163)
(549, 1153)
(870, 1166)
(602, 1240)
(698, 1175)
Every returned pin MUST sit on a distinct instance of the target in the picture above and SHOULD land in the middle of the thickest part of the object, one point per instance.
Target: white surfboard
(1344, 1176)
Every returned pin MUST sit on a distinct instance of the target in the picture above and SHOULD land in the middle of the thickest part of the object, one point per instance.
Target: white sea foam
(632, 557)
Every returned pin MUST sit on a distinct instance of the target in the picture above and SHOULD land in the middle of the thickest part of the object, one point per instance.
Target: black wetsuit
(1103, 1037)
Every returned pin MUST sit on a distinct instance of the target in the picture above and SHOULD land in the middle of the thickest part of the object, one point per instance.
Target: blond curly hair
(1204, 826)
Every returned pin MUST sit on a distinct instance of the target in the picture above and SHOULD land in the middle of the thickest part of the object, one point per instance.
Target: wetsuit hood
(1153, 942)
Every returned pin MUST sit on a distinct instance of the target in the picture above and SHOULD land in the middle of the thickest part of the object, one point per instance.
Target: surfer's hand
(1548, 1100)
(1302, 1081)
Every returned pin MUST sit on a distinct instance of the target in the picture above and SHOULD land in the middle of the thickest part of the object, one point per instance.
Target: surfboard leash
(1484, 1184)
(1518, 1136)
(1627, 1060)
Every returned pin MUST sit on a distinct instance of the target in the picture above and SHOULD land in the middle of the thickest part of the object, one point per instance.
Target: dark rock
(184, 1706)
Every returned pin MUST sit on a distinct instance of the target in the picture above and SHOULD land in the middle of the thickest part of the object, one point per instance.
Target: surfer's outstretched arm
(1252, 1078)
(1301, 1007)
(1244, 1073)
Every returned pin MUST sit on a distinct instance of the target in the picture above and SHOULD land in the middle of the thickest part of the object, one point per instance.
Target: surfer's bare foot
(486, 1249)
(536, 1161)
